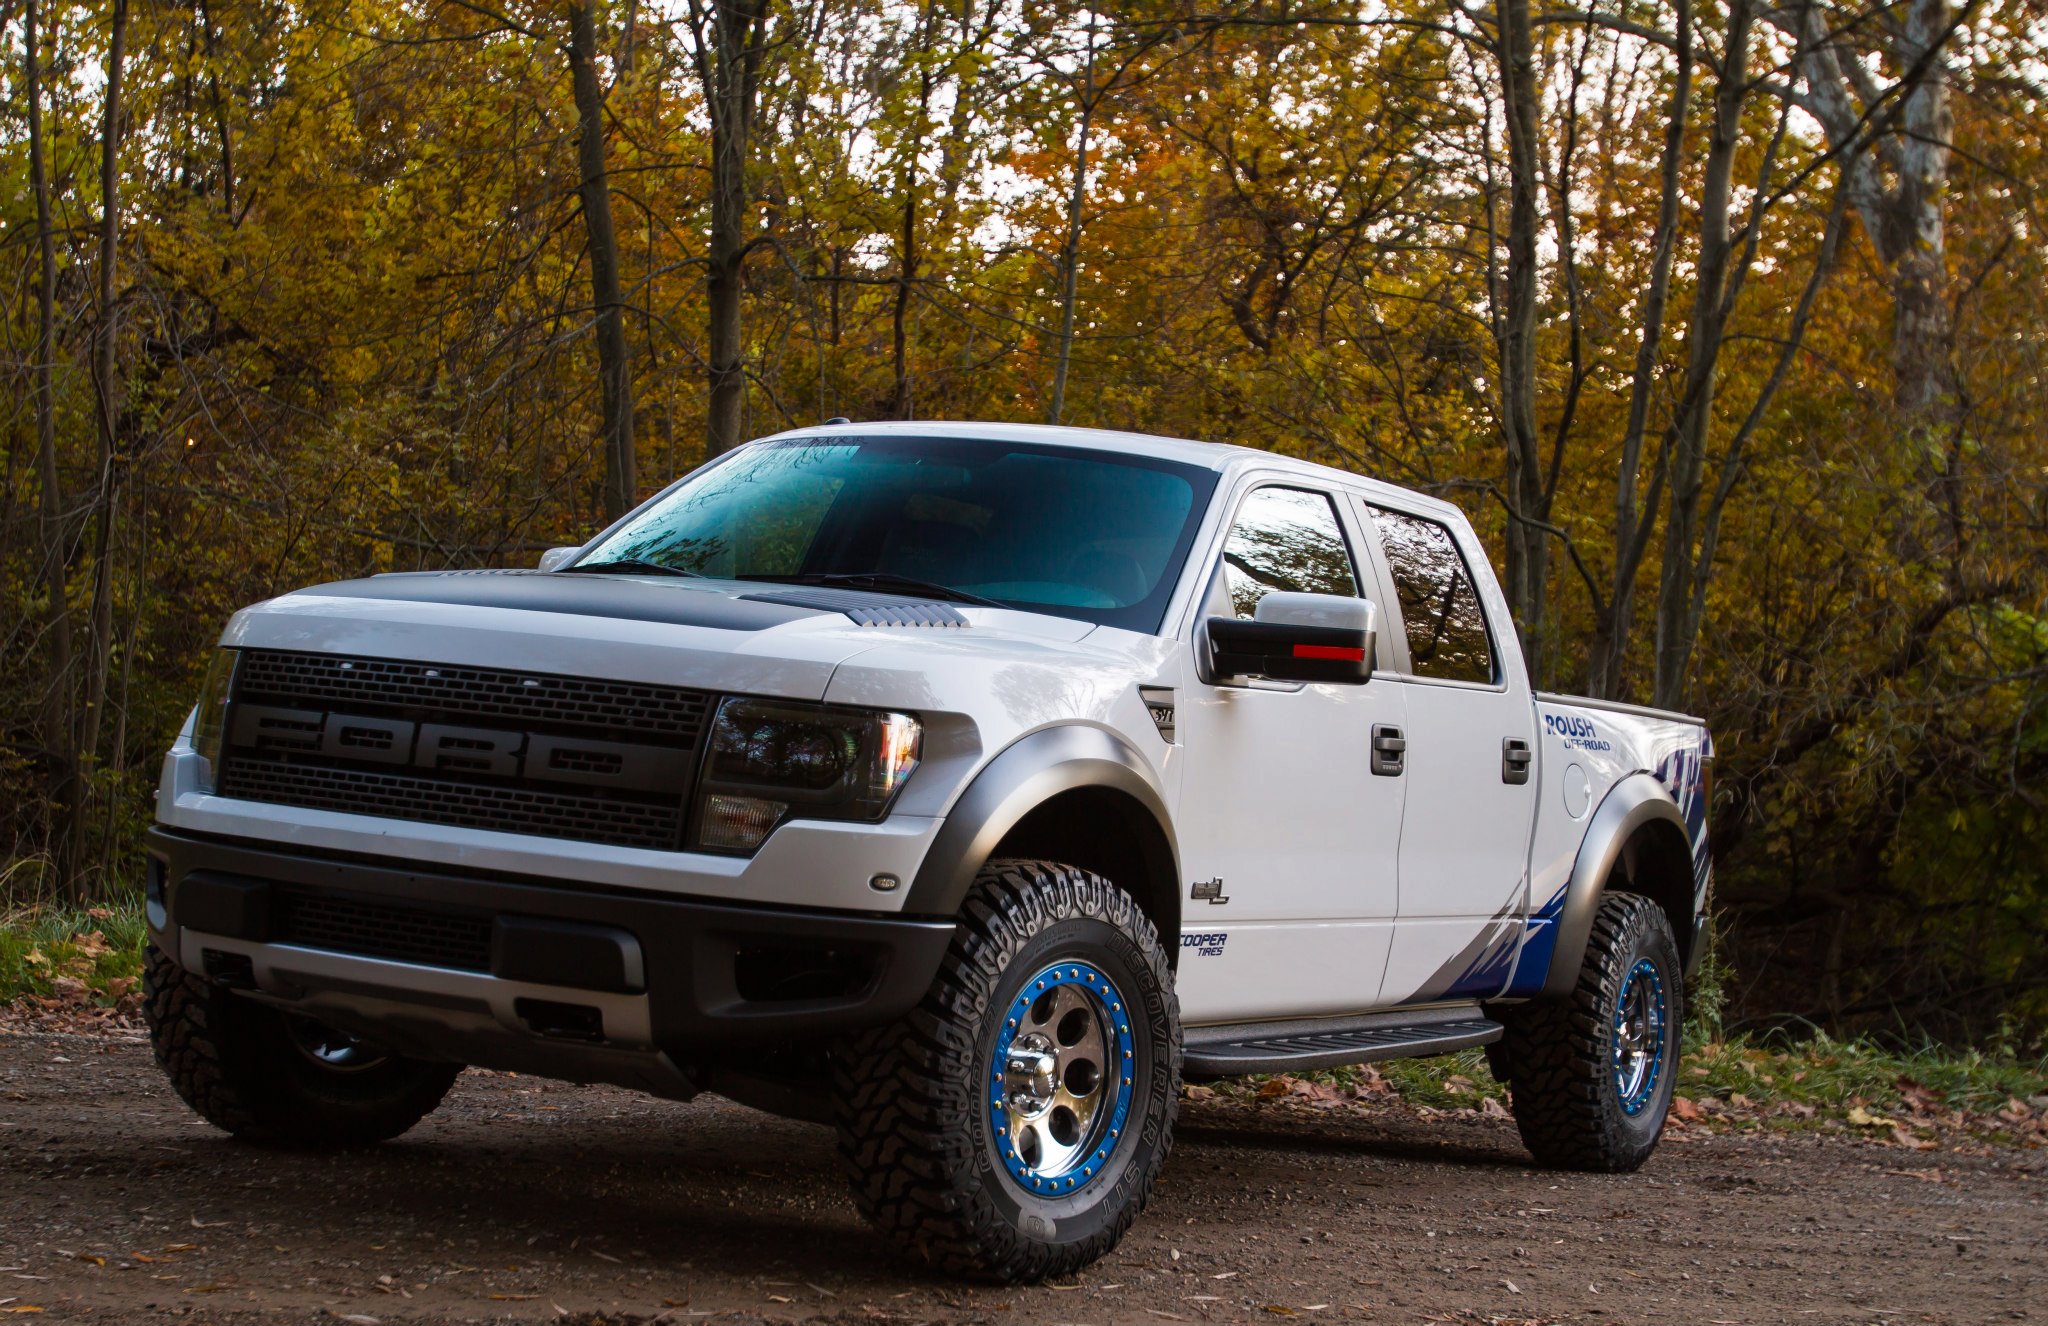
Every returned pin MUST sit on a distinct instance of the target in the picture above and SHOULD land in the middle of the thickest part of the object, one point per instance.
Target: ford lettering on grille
(595, 761)
(444, 747)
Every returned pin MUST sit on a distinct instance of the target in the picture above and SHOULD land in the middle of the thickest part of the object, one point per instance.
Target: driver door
(1289, 842)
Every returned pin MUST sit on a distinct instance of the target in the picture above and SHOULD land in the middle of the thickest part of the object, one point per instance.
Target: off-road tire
(915, 1130)
(1558, 1055)
(236, 1063)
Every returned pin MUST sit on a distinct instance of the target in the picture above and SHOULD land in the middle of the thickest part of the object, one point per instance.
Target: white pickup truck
(967, 787)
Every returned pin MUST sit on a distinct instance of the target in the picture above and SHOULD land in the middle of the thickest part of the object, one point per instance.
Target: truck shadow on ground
(706, 1189)
(1387, 1136)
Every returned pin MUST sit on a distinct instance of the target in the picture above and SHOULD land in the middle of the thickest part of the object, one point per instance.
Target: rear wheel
(1592, 1075)
(273, 1077)
(1012, 1125)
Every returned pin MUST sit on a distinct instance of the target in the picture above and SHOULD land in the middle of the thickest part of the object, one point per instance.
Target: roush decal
(1576, 732)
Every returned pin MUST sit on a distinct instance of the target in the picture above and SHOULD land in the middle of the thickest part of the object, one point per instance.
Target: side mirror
(554, 559)
(1298, 637)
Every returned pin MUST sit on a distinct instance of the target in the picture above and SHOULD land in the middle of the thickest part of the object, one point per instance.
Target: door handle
(1515, 759)
(1389, 750)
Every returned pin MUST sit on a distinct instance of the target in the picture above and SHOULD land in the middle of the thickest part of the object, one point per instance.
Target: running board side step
(1289, 1047)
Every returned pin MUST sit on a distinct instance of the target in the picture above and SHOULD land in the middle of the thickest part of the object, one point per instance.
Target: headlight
(772, 760)
(209, 725)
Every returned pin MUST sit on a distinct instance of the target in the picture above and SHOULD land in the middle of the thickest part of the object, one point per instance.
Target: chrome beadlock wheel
(1641, 1015)
(1062, 1079)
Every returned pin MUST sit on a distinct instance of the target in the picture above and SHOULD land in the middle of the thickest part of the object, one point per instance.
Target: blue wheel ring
(1642, 1018)
(1088, 1162)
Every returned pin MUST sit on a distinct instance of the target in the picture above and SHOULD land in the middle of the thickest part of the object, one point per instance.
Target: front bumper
(535, 976)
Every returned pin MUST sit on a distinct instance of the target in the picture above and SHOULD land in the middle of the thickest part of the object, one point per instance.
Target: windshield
(1085, 534)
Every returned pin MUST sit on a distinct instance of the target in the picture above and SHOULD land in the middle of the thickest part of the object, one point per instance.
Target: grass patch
(54, 952)
(1838, 1076)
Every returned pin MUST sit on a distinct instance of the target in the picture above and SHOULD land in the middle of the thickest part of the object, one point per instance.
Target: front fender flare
(1016, 782)
(1634, 802)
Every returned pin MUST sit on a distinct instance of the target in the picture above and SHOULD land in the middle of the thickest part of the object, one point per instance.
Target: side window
(1439, 603)
(1285, 539)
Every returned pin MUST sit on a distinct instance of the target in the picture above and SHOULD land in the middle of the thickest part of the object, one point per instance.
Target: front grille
(520, 699)
(380, 930)
(483, 748)
(468, 804)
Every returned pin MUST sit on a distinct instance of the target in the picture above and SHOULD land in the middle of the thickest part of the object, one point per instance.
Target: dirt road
(528, 1200)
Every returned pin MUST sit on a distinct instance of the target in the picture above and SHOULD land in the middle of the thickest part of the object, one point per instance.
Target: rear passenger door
(1288, 841)
(1470, 771)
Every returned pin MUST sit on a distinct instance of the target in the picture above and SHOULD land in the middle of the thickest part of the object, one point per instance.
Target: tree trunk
(614, 360)
(107, 399)
(1528, 547)
(1070, 247)
(1677, 623)
(1903, 220)
(901, 405)
(1923, 366)
(1631, 523)
(730, 72)
(59, 718)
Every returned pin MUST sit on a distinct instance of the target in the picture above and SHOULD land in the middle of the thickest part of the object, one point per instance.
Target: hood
(711, 634)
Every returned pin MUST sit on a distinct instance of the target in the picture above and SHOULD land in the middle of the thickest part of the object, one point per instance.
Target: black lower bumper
(719, 982)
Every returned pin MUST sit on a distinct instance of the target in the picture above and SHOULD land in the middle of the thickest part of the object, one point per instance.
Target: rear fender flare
(1633, 803)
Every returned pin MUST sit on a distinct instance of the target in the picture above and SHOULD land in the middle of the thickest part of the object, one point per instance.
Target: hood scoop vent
(865, 608)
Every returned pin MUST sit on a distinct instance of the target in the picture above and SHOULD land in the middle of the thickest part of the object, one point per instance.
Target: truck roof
(1208, 455)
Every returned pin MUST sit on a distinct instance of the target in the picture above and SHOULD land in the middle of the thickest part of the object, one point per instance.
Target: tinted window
(1285, 539)
(1085, 534)
(1439, 603)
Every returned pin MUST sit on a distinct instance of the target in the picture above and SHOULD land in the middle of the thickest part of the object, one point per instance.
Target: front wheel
(1592, 1075)
(1011, 1126)
(272, 1077)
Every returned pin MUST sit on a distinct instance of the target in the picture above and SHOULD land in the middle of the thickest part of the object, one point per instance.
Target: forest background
(1725, 320)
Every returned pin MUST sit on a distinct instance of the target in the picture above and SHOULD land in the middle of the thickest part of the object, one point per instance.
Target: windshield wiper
(883, 582)
(632, 566)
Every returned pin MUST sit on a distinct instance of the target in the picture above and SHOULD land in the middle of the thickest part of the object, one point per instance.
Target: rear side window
(1285, 539)
(1439, 603)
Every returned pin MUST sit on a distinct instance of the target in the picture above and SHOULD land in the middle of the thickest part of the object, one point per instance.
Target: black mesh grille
(380, 930)
(596, 819)
(338, 733)
(519, 699)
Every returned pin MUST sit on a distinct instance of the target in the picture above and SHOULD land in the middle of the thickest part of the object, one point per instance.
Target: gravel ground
(525, 1200)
